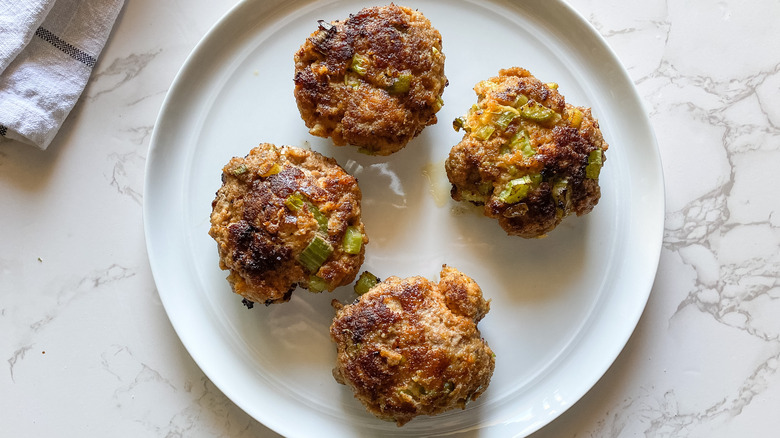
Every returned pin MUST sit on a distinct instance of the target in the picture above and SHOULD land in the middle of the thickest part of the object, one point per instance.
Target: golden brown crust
(411, 347)
(360, 105)
(482, 166)
(259, 237)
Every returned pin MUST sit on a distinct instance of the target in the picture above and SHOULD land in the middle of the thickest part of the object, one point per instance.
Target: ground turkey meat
(411, 347)
(287, 217)
(528, 156)
(374, 80)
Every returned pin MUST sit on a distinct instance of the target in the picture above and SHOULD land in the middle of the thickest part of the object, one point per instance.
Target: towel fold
(47, 53)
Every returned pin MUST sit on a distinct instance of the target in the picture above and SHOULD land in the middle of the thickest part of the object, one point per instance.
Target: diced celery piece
(537, 112)
(366, 281)
(315, 254)
(294, 202)
(528, 150)
(351, 80)
(521, 141)
(239, 170)
(561, 194)
(483, 132)
(472, 196)
(317, 284)
(438, 104)
(575, 117)
(505, 118)
(516, 190)
(275, 168)
(593, 169)
(521, 100)
(366, 151)
(401, 84)
(359, 64)
(458, 123)
(353, 240)
(321, 219)
(595, 157)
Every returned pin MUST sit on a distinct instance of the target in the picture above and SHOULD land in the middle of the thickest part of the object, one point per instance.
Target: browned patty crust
(374, 80)
(287, 217)
(528, 156)
(411, 347)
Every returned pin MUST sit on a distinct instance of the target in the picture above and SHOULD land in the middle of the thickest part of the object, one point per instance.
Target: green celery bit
(483, 132)
(353, 240)
(561, 193)
(575, 117)
(317, 284)
(315, 254)
(366, 151)
(520, 100)
(321, 219)
(366, 281)
(595, 157)
(414, 390)
(401, 84)
(593, 169)
(276, 168)
(473, 196)
(351, 80)
(562, 197)
(294, 202)
(458, 123)
(438, 104)
(505, 118)
(537, 112)
(516, 190)
(359, 64)
(239, 170)
(522, 142)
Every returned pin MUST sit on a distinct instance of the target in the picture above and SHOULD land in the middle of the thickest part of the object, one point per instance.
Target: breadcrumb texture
(521, 135)
(374, 80)
(260, 238)
(411, 347)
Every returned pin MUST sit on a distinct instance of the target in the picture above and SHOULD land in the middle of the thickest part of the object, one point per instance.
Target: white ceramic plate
(562, 307)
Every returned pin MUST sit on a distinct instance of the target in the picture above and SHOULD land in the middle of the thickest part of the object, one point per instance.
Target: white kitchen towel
(40, 86)
(18, 21)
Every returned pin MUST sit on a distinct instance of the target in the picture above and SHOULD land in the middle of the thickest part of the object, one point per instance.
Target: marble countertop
(87, 348)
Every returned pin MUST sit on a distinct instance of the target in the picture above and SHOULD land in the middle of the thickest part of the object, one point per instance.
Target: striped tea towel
(47, 51)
